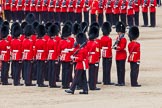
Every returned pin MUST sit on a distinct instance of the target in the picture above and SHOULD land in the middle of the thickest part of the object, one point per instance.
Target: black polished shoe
(136, 85)
(99, 82)
(6, 83)
(69, 91)
(42, 85)
(55, 86)
(96, 89)
(108, 83)
(30, 84)
(83, 92)
(120, 84)
(18, 84)
(144, 25)
(64, 87)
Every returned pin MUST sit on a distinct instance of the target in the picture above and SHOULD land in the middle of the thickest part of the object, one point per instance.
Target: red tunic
(145, 5)
(16, 49)
(26, 5)
(6, 5)
(45, 5)
(101, 6)
(134, 51)
(33, 5)
(120, 51)
(14, 5)
(94, 7)
(20, 5)
(34, 38)
(4, 50)
(57, 6)
(106, 44)
(117, 5)
(130, 9)
(39, 4)
(51, 5)
(79, 6)
(81, 59)
(41, 49)
(87, 5)
(137, 5)
(153, 5)
(52, 49)
(109, 6)
(27, 49)
(123, 7)
(64, 5)
(93, 50)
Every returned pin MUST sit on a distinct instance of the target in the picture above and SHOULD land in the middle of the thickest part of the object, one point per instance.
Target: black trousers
(34, 70)
(26, 13)
(46, 71)
(71, 16)
(116, 18)
(153, 19)
(92, 76)
(45, 16)
(40, 72)
(100, 19)
(109, 17)
(66, 74)
(93, 18)
(123, 18)
(27, 66)
(64, 17)
(58, 71)
(37, 16)
(136, 18)
(52, 73)
(4, 72)
(145, 18)
(7, 14)
(86, 17)
(80, 75)
(57, 17)
(51, 17)
(78, 17)
(106, 65)
(120, 71)
(16, 66)
(130, 20)
(134, 73)
(20, 16)
(14, 15)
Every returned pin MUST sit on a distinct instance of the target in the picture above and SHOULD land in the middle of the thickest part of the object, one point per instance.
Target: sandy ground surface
(147, 96)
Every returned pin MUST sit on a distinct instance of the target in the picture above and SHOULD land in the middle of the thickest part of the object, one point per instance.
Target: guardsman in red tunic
(145, 4)
(7, 9)
(16, 54)
(26, 7)
(136, 9)
(86, 8)
(93, 57)
(152, 6)
(33, 7)
(134, 55)
(41, 55)
(20, 10)
(52, 46)
(109, 11)
(64, 50)
(45, 11)
(81, 60)
(78, 11)
(64, 7)
(130, 13)
(27, 51)
(123, 11)
(101, 4)
(94, 11)
(121, 54)
(57, 11)
(14, 9)
(116, 9)
(39, 10)
(106, 44)
(5, 55)
(51, 7)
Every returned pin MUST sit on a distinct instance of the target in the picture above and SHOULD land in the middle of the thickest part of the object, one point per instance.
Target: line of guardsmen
(36, 52)
(62, 10)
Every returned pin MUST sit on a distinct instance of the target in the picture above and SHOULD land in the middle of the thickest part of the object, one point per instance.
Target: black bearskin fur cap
(120, 27)
(93, 32)
(4, 31)
(84, 26)
(41, 31)
(106, 28)
(30, 18)
(133, 33)
(28, 31)
(81, 38)
(53, 30)
(66, 31)
(76, 28)
(16, 31)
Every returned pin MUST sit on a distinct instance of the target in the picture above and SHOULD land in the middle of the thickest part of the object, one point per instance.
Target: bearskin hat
(81, 38)
(69, 23)
(93, 32)
(41, 31)
(66, 31)
(106, 28)
(23, 25)
(28, 30)
(16, 31)
(95, 24)
(30, 18)
(6, 23)
(35, 25)
(4, 31)
(53, 30)
(133, 33)
(14, 24)
(84, 26)
(1, 21)
(120, 27)
(76, 28)
(58, 24)
(47, 25)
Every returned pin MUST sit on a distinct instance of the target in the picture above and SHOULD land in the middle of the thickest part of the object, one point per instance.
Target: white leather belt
(40, 51)
(51, 51)
(15, 51)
